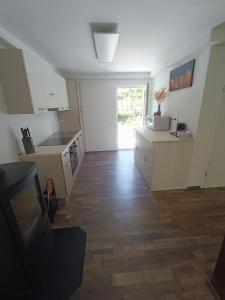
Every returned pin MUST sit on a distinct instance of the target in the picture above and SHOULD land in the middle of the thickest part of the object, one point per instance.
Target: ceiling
(60, 30)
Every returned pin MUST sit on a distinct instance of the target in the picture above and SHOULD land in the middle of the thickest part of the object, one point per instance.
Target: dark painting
(182, 77)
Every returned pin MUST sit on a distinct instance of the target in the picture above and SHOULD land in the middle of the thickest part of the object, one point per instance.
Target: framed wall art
(182, 77)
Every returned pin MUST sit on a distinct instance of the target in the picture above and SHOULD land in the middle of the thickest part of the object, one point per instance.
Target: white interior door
(215, 173)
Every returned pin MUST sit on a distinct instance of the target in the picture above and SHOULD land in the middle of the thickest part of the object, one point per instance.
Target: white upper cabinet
(63, 103)
(20, 93)
(30, 85)
(35, 80)
(50, 85)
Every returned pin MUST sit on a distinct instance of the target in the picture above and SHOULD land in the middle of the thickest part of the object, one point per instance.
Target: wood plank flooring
(142, 245)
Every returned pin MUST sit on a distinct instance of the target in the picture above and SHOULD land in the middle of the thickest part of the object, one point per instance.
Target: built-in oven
(73, 156)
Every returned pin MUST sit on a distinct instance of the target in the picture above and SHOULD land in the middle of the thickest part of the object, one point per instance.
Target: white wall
(40, 125)
(185, 101)
(98, 97)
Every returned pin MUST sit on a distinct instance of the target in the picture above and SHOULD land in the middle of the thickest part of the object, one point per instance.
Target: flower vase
(158, 113)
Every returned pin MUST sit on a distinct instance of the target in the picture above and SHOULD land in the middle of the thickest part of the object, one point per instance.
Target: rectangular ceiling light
(105, 45)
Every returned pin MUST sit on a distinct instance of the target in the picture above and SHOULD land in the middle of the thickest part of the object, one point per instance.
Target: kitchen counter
(59, 162)
(161, 136)
(163, 159)
(56, 149)
(63, 134)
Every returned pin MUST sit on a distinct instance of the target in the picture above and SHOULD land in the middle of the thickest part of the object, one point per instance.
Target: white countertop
(161, 136)
(57, 149)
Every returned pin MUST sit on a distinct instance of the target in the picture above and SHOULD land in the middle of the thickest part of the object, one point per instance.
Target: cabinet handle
(41, 108)
(52, 94)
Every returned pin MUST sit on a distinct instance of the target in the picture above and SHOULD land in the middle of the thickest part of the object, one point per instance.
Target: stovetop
(54, 141)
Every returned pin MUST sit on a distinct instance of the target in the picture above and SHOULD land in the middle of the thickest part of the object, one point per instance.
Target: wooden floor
(142, 245)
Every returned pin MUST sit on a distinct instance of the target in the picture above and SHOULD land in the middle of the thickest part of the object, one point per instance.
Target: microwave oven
(158, 122)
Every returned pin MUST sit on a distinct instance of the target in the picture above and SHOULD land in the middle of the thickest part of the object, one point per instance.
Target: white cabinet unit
(54, 162)
(50, 85)
(71, 120)
(21, 80)
(68, 176)
(35, 81)
(30, 85)
(80, 148)
(63, 103)
(163, 159)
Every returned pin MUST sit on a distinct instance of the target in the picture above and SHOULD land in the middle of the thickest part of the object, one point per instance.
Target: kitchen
(151, 205)
(42, 89)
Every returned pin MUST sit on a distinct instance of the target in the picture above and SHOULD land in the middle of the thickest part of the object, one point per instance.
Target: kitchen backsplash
(40, 125)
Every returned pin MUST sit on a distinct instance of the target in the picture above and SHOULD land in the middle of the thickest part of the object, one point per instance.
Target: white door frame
(146, 86)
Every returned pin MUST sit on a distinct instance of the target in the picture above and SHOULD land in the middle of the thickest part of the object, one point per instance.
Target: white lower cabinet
(143, 158)
(68, 176)
(164, 163)
(80, 148)
(54, 162)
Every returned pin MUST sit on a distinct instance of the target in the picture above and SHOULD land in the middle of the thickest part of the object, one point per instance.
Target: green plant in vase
(160, 96)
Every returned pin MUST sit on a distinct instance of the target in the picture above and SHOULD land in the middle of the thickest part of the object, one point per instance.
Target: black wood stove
(33, 262)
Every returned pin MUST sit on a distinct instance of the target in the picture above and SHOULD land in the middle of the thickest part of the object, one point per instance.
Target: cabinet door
(181, 164)
(163, 162)
(144, 157)
(79, 153)
(62, 93)
(80, 148)
(35, 80)
(14, 82)
(50, 86)
(137, 152)
(67, 171)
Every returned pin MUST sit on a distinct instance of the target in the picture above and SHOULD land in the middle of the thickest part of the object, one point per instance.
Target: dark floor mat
(64, 274)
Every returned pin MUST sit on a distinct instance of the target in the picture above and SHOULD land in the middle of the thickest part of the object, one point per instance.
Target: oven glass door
(27, 209)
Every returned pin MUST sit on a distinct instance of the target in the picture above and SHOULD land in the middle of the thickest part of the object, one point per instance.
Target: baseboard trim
(193, 188)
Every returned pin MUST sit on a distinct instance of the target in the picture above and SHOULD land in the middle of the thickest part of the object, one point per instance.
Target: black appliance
(36, 262)
(181, 126)
(73, 157)
(2, 172)
(26, 239)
